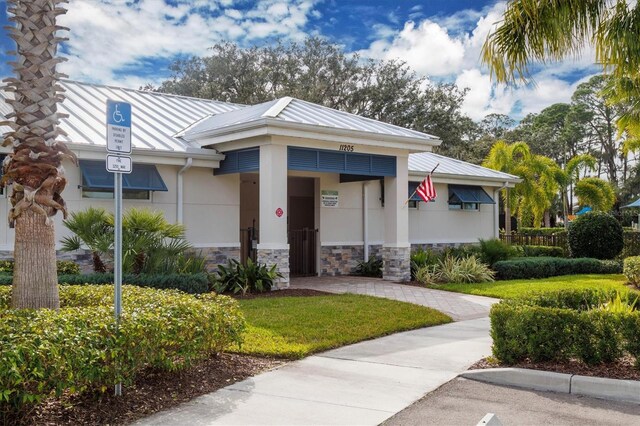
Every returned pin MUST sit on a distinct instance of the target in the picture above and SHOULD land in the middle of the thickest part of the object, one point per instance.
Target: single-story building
(287, 182)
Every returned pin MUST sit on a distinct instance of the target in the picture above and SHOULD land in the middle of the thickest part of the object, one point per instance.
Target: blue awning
(636, 203)
(585, 209)
(144, 177)
(468, 194)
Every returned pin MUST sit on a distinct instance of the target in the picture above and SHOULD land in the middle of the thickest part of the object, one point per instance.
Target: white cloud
(112, 36)
(449, 48)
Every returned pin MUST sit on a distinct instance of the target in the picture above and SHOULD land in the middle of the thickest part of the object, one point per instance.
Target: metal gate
(302, 252)
(248, 242)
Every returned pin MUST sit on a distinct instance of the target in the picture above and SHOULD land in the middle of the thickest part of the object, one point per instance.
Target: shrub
(464, 270)
(64, 267)
(192, 283)
(544, 267)
(494, 250)
(370, 268)
(542, 251)
(567, 324)
(426, 275)
(461, 251)
(150, 244)
(238, 278)
(77, 348)
(631, 270)
(597, 235)
(421, 258)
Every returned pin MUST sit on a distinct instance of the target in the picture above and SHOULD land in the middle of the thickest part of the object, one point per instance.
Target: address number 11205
(346, 148)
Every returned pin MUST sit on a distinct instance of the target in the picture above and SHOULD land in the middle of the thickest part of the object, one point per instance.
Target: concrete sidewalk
(458, 306)
(364, 383)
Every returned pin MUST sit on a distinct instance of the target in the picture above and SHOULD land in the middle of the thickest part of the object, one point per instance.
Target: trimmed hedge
(564, 325)
(542, 251)
(189, 283)
(64, 267)
(544, 267)
(596, 234)
(542, 231)
(77, 349)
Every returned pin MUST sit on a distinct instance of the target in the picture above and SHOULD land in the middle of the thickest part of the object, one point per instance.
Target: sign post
(118, 143)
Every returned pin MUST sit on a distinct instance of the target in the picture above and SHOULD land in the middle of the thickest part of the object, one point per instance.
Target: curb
(595, 387)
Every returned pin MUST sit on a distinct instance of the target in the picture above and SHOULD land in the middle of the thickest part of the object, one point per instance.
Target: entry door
(302, 236)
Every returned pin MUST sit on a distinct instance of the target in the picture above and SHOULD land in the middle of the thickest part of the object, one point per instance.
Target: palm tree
(34, 168)
(539, 31)
(506, 158)
(570, 176)
(532, 198)
(92, 228)
(596, 193)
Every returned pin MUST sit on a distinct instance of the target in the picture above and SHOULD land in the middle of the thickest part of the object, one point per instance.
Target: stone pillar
(396, 251)
(273, 248)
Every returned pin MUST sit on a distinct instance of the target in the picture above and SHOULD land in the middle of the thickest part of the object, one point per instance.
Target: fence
(551, 240)
(631, 241)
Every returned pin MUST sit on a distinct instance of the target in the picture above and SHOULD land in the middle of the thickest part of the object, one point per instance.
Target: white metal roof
(156, 117)
(424, 162)
(296, 111)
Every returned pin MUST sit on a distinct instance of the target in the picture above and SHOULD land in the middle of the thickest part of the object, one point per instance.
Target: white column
(396, 248)
(273, 247)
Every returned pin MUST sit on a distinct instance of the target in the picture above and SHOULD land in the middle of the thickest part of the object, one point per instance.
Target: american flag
(426, 190)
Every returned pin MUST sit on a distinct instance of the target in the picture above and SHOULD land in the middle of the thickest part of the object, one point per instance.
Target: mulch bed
(152, 392)
(291, 292)
(621, 369)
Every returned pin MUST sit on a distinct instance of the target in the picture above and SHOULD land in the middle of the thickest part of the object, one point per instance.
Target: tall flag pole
(425, 190)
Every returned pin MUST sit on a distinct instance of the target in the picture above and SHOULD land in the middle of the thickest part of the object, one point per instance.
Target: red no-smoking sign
(279, 212)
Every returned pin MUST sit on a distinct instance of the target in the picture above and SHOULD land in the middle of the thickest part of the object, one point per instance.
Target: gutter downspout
(365, 220)
(180, 203)
(496, 211)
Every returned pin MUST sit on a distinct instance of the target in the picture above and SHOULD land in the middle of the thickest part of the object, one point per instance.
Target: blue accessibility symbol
(118, 113)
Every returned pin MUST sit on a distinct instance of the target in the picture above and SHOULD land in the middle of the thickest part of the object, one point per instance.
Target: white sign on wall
(329, 198)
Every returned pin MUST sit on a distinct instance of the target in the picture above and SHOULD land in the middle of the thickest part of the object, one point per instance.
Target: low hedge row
(65, 267)
(565, 325)
(77, 348)
(542, 251)
(542, 231)
(544, 267)
(189, 283)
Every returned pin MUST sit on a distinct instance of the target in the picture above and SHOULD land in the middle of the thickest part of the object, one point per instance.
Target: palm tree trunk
(507, 214)
(35, 280)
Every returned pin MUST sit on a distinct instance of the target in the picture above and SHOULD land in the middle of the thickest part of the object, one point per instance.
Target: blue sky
(132, 42)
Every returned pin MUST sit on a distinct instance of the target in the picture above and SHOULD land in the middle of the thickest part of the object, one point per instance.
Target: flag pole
(416, 190)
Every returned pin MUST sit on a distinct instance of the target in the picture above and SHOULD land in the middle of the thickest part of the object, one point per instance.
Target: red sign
(279, 212)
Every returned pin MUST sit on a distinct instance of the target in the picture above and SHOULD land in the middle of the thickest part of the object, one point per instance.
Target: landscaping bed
(289, 292)
(152, 391)
(620, 369)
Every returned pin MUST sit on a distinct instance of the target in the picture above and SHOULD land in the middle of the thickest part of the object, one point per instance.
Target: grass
(516, 288)
(294, 327)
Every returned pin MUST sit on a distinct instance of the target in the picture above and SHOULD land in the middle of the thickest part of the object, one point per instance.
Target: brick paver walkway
(458, 306)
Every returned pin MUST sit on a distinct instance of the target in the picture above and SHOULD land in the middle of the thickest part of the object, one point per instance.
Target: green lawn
(294, 327)
(515, 288)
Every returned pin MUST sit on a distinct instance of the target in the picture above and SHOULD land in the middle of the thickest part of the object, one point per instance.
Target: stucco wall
(211, 205)
(434, 223)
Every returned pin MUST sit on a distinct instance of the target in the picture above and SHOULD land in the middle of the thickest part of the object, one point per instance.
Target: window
(467, 197)
(464, 206)
(413, 204)
(97, 183)
(107, 194)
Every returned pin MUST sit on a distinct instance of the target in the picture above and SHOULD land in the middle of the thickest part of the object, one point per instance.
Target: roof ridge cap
(277, 107)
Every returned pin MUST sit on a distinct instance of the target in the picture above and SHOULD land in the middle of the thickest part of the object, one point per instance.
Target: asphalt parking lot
(466, 402)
